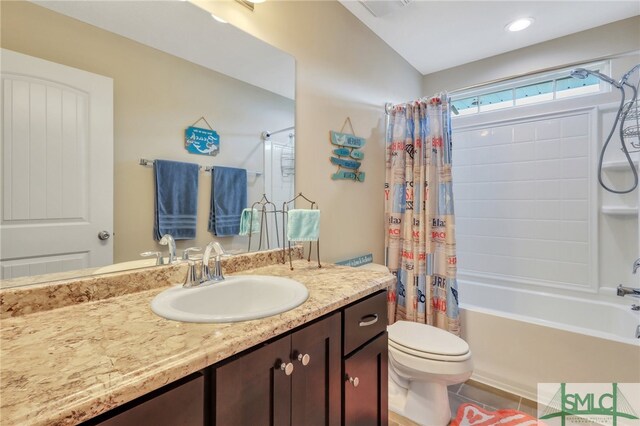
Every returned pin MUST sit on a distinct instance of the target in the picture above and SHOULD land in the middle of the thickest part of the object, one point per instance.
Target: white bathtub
(519, 338)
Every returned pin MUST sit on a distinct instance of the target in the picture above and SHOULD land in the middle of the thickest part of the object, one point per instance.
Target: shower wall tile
(522, 201)
(577, 125)
(548, 129)
(524, 132)
(547, 149)
(575, 147)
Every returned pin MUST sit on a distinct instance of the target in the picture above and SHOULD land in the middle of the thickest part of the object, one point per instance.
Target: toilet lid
(426, 339)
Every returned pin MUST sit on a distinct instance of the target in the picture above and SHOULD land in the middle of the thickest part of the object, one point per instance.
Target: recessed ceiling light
(519, 24)
(217, 18)
(256, 1)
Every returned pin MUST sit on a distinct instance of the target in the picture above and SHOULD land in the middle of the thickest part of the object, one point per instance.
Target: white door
(56, 168)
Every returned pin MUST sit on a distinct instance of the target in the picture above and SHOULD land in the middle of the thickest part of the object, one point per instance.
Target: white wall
(605, 41)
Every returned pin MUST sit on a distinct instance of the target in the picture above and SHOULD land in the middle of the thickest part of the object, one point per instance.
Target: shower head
(582, 73)
(579, 73)
(625, 77)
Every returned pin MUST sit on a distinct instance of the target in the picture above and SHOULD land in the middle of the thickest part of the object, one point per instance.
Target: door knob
(104, 235)
(354, 381)
(287, 368)
(304, 359)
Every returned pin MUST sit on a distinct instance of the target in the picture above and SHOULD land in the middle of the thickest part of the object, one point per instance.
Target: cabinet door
(253, 390)
(179, 404)
(315, 398)
(365, 396)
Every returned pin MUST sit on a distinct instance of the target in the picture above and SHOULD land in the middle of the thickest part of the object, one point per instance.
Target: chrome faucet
(192, 279)
(167, 240)
(217, 268)
(157, 254)
(624, 291)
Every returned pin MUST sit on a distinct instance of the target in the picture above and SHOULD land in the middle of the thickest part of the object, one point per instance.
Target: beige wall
(156, 96)
(342, 70)
(605, 41)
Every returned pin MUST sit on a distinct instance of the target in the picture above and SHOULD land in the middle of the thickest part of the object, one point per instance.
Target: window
(529, 90)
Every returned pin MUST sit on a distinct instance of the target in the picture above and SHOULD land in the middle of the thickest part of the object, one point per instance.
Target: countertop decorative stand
(265, 207)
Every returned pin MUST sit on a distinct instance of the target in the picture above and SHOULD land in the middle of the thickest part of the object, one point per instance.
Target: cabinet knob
(304, 359)
(354, 381)
(287, 368)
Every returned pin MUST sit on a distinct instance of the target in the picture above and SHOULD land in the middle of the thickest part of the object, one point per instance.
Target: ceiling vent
(380, 8)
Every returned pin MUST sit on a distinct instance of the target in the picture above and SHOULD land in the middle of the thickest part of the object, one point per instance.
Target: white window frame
(512, 84)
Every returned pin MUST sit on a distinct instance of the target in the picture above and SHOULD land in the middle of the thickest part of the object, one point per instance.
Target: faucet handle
(185, 253)
(192, 278)
(157, 254)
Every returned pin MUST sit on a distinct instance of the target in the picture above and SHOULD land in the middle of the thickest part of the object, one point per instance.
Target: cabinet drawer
(364, 320)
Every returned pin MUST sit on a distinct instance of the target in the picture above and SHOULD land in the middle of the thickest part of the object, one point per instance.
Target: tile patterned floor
(476, 393)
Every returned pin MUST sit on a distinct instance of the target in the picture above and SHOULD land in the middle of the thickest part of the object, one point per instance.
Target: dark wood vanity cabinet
(294, 380)
(367, 403)
(365, 400)
(328, 372)
(181, 403)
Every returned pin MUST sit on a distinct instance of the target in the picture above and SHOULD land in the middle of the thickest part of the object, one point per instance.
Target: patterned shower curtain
(420, 238)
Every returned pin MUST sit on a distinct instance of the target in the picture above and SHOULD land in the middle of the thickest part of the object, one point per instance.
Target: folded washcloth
(228, 199)
(303, 225)
(250, 221)
(176, 201)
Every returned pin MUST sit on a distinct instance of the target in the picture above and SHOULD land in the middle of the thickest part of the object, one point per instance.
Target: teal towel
(249, 224)
(303, 225)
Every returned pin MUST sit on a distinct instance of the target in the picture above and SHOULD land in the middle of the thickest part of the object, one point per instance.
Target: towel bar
(145, 162)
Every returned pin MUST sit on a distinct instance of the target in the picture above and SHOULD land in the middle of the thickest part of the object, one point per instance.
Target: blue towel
(228, 199)
(176, 201)
(303, 225)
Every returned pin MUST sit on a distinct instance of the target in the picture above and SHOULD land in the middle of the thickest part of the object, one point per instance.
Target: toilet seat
(429, 355)
(427, 342)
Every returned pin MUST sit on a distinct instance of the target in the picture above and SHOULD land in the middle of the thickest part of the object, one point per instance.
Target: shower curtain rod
(267, 134)
(389, 106)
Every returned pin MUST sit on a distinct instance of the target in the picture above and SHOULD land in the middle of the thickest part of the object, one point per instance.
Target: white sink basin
(237, 298)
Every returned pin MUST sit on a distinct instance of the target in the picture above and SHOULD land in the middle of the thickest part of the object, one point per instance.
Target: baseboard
(511, 388)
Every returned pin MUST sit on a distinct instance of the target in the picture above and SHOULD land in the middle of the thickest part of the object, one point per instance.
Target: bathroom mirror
(171, 64)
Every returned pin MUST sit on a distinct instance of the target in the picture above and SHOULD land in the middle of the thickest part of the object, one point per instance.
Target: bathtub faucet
(623, 291)
(636, 265)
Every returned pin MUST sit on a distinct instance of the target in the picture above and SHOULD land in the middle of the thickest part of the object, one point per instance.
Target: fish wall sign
(201, 141)
(348, 156)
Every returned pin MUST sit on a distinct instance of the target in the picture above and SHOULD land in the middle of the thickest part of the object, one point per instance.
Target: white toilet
(423, 361)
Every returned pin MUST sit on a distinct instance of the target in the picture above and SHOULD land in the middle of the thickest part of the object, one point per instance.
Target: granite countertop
(67, 365)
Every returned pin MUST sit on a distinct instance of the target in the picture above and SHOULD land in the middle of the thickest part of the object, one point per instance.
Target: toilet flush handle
(368, 320)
